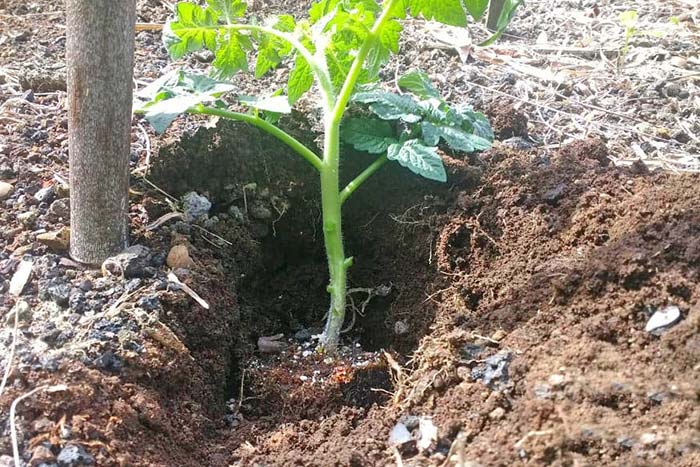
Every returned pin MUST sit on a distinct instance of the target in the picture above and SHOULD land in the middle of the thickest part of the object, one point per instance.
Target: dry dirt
(508, 306)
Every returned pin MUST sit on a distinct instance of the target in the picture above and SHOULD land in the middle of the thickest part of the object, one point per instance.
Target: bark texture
(100, 60)
(495, 9)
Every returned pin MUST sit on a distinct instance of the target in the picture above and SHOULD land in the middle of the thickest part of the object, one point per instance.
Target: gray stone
(494, 371)
(260, 212)
(195, 206)
(236, 214)
(148, 303)
(662, 320)
(60, 209)
(74, 455)
(6, 190)
(58, 292)
(27, 218)
(45, 194)
(130, 263)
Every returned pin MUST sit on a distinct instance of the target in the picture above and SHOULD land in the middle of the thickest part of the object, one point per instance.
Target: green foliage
(426, 121)
(476, 8)
(445, 11)
(342, 46)
(171, 95)
(628, 19)
(419, 159)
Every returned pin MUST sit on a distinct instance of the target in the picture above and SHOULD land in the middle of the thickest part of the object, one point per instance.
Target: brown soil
(539, 268)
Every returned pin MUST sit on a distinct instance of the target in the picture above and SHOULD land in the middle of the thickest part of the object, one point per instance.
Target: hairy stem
(333, 235)
(268, 127)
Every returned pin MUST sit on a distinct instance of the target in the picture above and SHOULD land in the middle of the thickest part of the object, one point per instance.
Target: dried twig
(11, 355)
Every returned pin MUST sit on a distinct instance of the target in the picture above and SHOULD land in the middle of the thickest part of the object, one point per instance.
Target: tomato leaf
(368, 134)
(419, 159)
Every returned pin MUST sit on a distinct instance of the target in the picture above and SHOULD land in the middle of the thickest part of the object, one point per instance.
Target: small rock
(6, 190)
(23, 311)
(27, 218)
(109, 361)
(271, 344)
(28, 95)
(625, 442)
(60, 209)
(85, 285)
(195, 206)
(472, 351)
(681, 136)
(554, 194)
(211, 222)
(77, 302)
(6, 171)
(130, 263)
(557, 380)
(45, 195)
(303, 335)
(518, 142)
(494, 371)
(672, 89)
(148, 303)
(499, 335)
(59, 293)
(497, 413)
(58, 240)
(401, 328)
(73, 455)
(662, 320)
(543, 391)
(679, 62)
(399, 435)
(658, 396)
(41, 455)
(179, 257)
(236, 214)
(133, 284)
(648, 439)
(260, 212)
(66, 431)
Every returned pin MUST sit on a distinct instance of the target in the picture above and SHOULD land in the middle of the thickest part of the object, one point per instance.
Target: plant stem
(360, 179)
(331, 197)
(268, 127)
(332, 232)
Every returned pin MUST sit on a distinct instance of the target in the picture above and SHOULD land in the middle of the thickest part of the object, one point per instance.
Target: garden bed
(506, 308)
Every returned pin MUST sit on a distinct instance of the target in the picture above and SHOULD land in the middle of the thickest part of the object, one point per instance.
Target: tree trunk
(495, 9)
(100, 60)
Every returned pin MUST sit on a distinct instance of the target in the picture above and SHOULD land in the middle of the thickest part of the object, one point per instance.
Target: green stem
(278, 133)
(331, 197)
(360, 179)
(332, 233)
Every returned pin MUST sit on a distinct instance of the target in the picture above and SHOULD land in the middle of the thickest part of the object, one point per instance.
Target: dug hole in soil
(508, 310)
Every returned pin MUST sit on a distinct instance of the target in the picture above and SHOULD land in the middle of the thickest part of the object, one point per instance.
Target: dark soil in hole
(277, 262)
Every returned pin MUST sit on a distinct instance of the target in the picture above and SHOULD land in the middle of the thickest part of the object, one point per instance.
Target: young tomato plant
(341, 47)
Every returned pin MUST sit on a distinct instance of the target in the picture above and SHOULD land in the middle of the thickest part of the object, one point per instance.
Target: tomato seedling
(342, 47)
